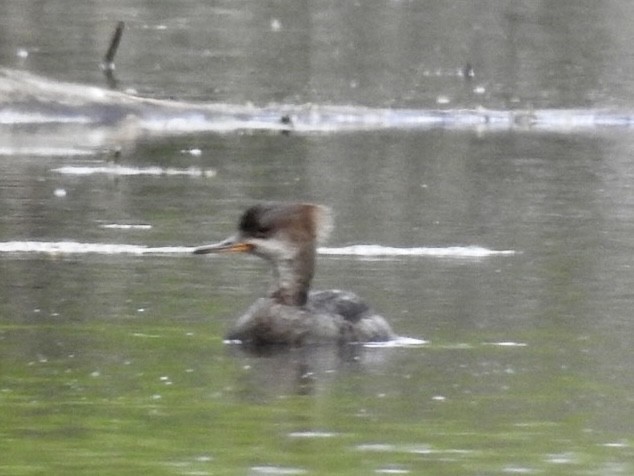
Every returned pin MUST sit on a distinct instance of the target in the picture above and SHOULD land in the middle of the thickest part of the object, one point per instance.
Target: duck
(286, 235)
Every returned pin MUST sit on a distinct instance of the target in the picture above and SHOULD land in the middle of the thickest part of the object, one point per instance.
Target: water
(507, 249)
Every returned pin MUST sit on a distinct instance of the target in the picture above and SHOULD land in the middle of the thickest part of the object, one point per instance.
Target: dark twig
(107, 65)
(108, 60)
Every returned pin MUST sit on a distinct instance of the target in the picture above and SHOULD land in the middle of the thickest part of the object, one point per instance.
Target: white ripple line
(368, 251)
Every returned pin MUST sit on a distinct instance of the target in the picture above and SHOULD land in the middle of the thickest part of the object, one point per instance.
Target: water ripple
(73, 247)
(440, 252)
(131, 171)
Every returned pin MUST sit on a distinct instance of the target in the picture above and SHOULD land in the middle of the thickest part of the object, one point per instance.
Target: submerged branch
(107, 65)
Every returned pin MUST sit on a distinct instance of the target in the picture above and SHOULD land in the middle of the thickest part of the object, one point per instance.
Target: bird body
(286, 235)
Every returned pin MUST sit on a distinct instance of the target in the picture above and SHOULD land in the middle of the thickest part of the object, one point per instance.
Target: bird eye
(262, 231)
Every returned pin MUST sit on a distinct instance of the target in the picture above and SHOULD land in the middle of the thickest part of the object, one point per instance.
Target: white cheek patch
(273, 248)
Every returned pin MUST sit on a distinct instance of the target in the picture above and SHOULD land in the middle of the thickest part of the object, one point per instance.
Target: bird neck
(293, 276)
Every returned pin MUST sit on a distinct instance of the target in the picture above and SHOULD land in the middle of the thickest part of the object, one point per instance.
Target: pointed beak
(230, 245)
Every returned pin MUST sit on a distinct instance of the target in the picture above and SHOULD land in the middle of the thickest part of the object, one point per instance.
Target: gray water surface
(509, 251)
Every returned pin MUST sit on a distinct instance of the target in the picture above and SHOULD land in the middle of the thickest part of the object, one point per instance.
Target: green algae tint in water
(130, 397)
(114, 364)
